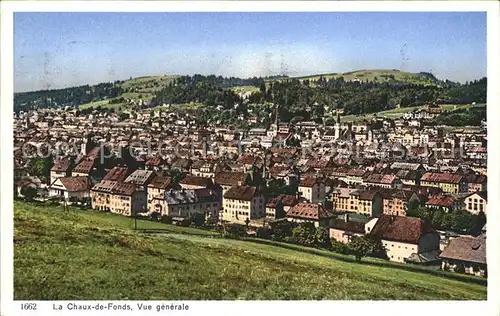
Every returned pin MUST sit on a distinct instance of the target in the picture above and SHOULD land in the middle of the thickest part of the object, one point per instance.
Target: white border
(492, 307)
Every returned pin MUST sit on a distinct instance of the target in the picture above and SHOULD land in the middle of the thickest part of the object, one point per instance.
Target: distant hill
(375, 75)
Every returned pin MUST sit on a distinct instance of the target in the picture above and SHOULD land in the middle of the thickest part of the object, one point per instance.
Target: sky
(55, 50)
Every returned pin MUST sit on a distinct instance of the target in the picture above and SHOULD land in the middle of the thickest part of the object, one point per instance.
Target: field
(142, 87)
(399, 112)
(86, 255)
(376, 75)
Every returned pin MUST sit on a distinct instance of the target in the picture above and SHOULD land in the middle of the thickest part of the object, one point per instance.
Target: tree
(166, 219)
(360, 247)
(322, 238)
(29, 193)
(198, 219)
(363, 246)
(280, 230)
(305, 234)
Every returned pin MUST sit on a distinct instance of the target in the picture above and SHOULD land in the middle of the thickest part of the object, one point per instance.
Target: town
(401, 188)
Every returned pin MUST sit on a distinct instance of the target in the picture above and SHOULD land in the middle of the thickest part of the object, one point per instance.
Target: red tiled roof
(198, 181)
(401, 229)
(76, 184)
(381, 178)
(442, 177)
(245, 193)
(287, 200)
(85, 166)
(230, 178)
(309, 182)
(117, 174)
(441, 200)
(61, 165)
(308, 211)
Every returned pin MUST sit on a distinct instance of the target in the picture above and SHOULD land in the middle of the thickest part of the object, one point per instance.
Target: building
(404, 237)
(278, 206)
(117, 174)
(369, 202)
(397, 202)
(467, 253)
(141, 179)
(476, 182)
(388, 181)
(243, 202)
(477, 202)
(195, 182)
(184, 203)
(312, 189)
(157, 188)
(227, 179)
(60, 169)
(342, 230)
(70, 187)
(448, 182)
(310, 212)
(118, 197)
(444, 202)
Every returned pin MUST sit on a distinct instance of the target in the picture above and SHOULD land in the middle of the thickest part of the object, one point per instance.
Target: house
(118, 197)
(141, 179)
(477, 202)
(194, 182)
(187, 202)
(369, 202)
(243, 202)
(409, 177)
(448, 182)
(341, 199)
(70, 187)
(389, 181)
(310, 212)
(476, 182)
(228, 179)
(60, 169)
(396, 202)
(279, 205)
(155, 163)
(444, 202)
(20, 171)
(312, 189)
(117, 174)
(354, 176)
(467, 253)
(157, 188)
(342, 230)
(404, 237)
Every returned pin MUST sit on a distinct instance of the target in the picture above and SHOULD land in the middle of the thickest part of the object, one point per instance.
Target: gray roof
(173, 197)
(470, 249)
(139, 177)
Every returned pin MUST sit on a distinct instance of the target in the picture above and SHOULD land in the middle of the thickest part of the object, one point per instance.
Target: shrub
(166, 219)
(339, 247)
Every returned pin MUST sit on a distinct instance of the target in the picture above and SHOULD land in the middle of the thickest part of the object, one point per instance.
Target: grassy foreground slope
(92, 256)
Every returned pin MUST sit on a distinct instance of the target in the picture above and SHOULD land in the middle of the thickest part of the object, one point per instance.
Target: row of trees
(73, 96)
(459, 221)
(473, 117)
(306, 234)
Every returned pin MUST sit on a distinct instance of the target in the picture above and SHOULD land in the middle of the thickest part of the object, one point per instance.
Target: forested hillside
(295, 95)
